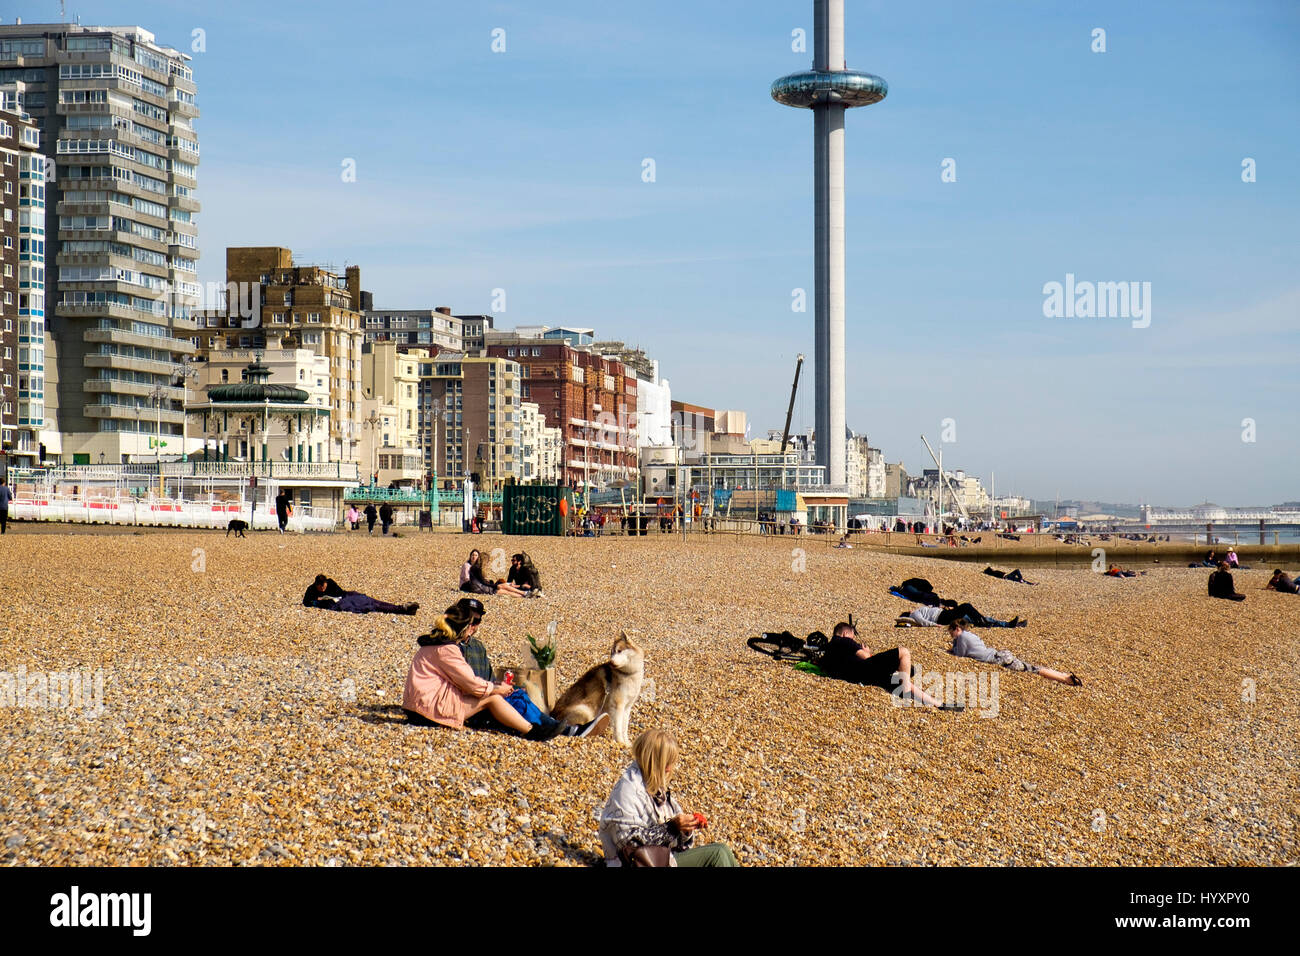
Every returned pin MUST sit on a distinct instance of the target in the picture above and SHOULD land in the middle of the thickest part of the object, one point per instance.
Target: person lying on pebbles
(1007, 575)
(442, 688)
(967, 644)
(325, 593)
(846, 659)
(926, 616)
(1281, 583)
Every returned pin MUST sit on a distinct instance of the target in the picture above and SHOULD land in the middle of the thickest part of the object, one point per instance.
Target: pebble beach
(239, 728)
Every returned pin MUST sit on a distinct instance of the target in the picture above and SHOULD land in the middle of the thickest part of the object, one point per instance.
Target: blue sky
(522, 171)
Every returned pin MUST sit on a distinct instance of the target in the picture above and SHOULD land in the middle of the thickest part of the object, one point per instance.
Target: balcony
(97, 310)
(140, 389)
(185, 203)
(134, 413)
(123, 337)
(128, 363)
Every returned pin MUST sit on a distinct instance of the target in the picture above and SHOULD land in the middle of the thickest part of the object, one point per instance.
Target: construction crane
(943, 479)
(785, 435)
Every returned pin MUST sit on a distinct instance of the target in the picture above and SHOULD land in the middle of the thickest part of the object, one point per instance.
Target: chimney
(444, 309)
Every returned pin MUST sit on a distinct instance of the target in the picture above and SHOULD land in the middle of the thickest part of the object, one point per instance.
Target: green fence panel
(535, 509)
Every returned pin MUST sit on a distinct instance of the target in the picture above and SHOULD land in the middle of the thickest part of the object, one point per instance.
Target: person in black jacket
(1221, 586)
(524, 575)
(325, 593)
(386, 516)
(282, 509)
(919, 590)
(1280, 582)
(371, 514)
(847, 659)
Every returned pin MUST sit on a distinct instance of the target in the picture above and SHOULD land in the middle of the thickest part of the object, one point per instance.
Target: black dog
(237, 526)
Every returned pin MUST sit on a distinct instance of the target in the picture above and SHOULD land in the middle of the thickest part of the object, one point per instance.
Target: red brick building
(590, 398)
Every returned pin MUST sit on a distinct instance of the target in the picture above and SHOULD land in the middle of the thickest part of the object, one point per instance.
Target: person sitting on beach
(642, 812)
(524, 575)
(441, 687)
(325, 593)
(1007, 575)
(950, 611)
(967, 644)
(471, 575)
(844, 542)
(1114, 571)
(1281, 583)
(846, 659)
(1220, 584)
(474, 581)
(1231, 558)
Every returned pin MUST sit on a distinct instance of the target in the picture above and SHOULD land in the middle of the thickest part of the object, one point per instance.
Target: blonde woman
(642, 812)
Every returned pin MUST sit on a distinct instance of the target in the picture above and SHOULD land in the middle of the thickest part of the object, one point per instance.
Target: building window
(225, 375)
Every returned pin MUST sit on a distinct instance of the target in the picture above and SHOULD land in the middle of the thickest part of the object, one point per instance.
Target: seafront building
(589, 397)
(472, 406)
(431, 329)
(22, 286)
(288, 305)
(115, 111)
(540, 447)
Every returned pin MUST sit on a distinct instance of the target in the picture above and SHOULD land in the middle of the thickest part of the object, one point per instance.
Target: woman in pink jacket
(441, 687)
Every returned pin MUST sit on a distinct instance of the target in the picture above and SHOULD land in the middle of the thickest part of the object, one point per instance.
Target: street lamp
(157, 394)
(373, 424)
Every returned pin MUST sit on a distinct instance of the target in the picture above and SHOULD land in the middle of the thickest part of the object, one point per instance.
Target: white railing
(163, 512)
(343, 471)
(280, 470)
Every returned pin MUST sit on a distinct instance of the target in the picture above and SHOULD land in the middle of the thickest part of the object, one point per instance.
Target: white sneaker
(593, 728)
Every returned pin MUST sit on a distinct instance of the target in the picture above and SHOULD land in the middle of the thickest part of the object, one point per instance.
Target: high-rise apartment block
(22, 284)
(115, 110)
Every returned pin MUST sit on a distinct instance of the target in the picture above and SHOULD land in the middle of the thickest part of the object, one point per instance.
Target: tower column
(828, 164)
(828, 90)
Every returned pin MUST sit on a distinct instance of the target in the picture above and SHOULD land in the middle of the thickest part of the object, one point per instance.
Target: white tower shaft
(828, 174)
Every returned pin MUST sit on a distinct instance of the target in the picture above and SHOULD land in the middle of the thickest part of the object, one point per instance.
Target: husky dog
(237, 526)
(610, 688)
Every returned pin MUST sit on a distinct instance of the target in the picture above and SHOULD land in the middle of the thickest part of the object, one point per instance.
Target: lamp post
(478, 458)
(435, 409)
(373, 424)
